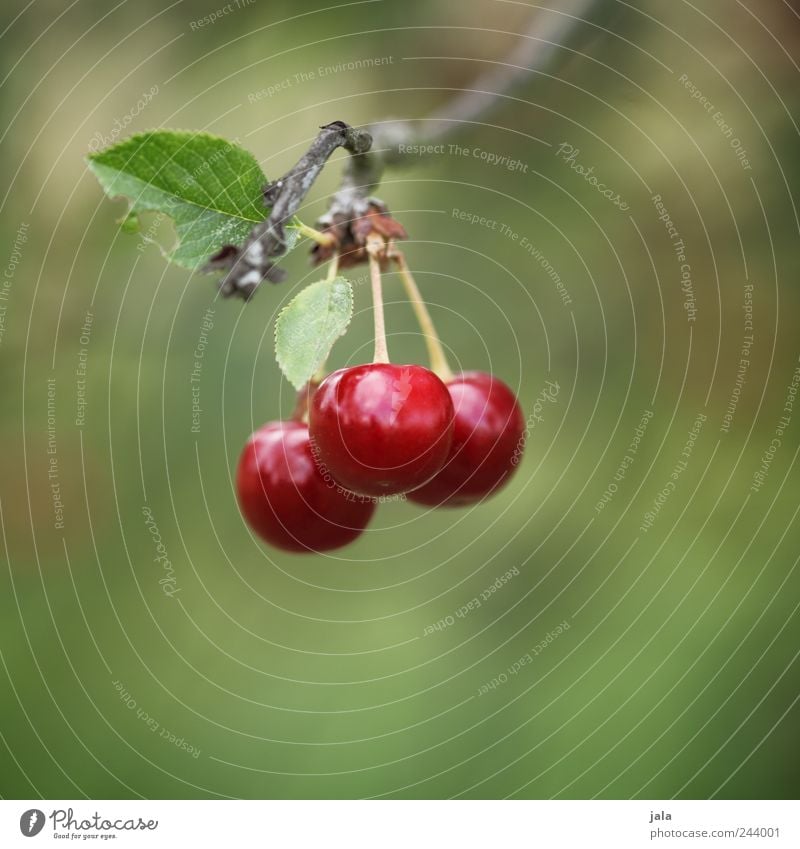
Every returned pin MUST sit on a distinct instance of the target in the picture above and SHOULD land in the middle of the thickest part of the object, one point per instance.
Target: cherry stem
(374, 246)
(436, 354)
(324, 239)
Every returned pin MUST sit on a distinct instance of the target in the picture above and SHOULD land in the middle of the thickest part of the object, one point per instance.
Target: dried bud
(351, 235)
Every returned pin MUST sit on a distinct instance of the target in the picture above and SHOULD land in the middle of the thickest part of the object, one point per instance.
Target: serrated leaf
(210, 187)
(309, 325)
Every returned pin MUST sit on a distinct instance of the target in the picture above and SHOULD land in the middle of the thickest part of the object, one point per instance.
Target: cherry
(487, 442)
(382, 428)
(286, 498)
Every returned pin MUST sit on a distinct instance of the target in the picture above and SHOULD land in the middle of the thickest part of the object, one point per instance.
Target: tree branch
(352, 211)
(537, 50)
(247, 265)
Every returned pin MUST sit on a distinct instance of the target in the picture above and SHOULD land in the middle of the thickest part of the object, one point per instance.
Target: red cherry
(382, 428)
(487, 442)
(287, 500)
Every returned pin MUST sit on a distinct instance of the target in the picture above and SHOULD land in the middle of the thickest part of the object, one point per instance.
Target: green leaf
(309, 325)
(210, 187)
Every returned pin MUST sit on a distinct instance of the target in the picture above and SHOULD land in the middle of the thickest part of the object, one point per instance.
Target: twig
(538, 47)
(247, 265)
(372, 150)
(535, 51)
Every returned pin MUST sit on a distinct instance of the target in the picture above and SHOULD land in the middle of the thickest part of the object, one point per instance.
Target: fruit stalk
(325, 239)
(436, 355)
(374, 247)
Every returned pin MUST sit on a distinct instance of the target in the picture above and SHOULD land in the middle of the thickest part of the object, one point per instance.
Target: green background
(301, 676)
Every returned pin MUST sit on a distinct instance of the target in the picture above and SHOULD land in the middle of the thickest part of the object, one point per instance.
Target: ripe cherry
(382, 428)
(487, 442)
(287, 499)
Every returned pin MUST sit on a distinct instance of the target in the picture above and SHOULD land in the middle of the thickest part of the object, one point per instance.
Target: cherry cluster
(373, 431)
